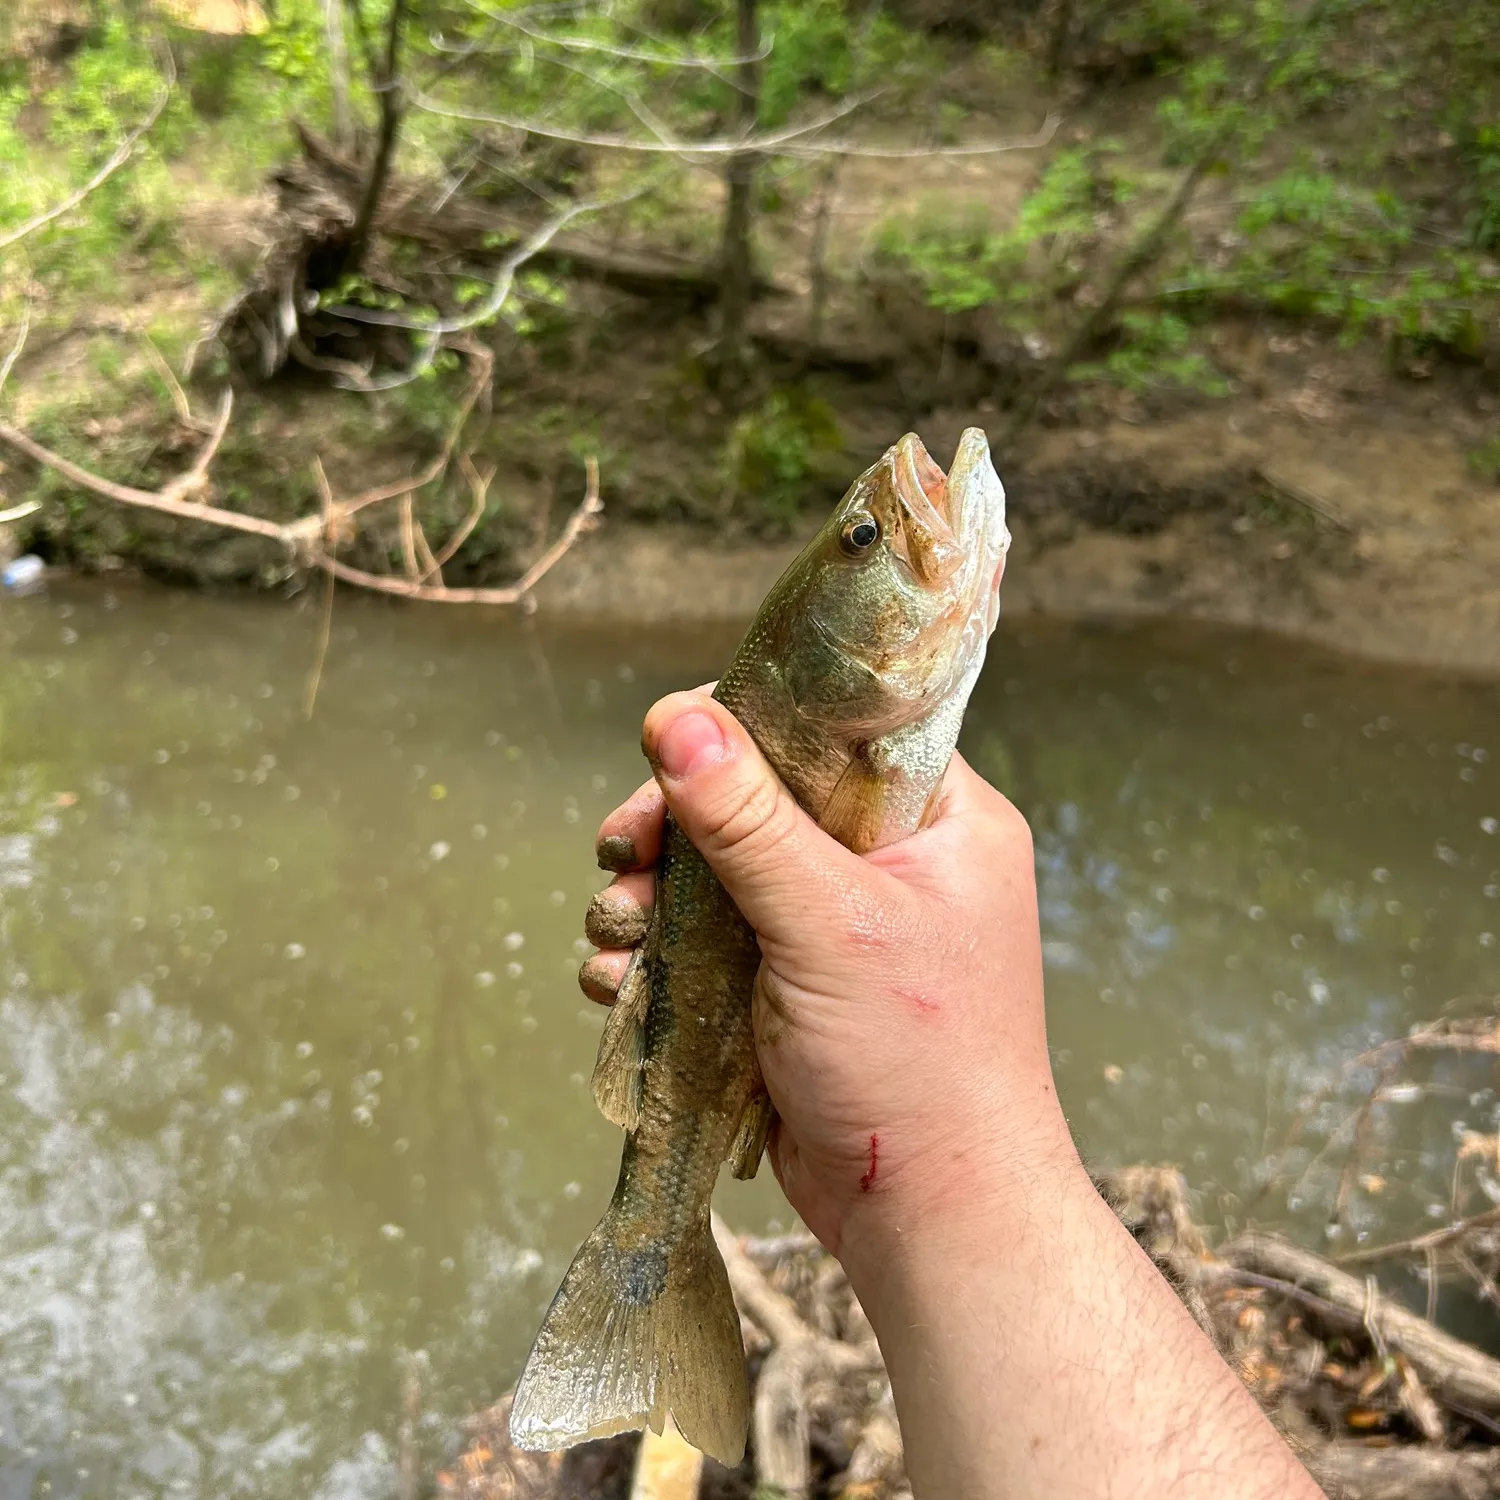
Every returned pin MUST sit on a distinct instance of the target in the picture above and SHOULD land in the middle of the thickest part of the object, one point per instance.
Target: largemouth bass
(853, 680)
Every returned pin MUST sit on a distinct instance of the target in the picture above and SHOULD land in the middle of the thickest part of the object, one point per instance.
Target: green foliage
(1315, 246)
(961, 262)
(1155, 352)
(826, 47)
(773, 449)
(1483, 159)
(957, 261)
(1484, 459)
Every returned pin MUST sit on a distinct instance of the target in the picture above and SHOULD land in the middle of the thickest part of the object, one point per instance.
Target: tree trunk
(736, 260)
(818, 260)
(338, 72)
(1062, 35)
(387, 85)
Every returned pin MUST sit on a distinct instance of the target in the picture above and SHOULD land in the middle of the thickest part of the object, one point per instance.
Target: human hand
(898, 1008)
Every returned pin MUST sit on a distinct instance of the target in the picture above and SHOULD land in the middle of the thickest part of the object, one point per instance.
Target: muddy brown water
(292, 1066)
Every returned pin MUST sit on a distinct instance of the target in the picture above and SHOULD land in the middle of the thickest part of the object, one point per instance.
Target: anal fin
(750, 1139)
(618, 1080)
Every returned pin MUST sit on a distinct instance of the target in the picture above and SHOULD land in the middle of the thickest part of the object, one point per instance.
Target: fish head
(898, 593)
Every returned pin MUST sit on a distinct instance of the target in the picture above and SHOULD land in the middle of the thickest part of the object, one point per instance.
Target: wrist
(1004, 1178)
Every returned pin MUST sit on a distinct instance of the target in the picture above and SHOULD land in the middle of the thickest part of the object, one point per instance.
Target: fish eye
(860, 533)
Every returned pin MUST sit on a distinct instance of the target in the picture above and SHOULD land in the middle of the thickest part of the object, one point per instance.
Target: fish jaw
(976, 510)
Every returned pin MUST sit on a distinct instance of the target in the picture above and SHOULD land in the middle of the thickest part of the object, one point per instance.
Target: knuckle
(753, 814)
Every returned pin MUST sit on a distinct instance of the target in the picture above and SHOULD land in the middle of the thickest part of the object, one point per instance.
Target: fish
(852, 680)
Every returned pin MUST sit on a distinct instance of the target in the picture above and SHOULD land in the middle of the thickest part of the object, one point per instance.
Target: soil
(1364, 531)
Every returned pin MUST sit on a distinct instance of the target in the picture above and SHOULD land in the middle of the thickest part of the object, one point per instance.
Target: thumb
(782, 870)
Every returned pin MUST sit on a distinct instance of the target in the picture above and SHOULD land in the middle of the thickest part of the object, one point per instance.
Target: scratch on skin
(868, 1180)
(926, 1005)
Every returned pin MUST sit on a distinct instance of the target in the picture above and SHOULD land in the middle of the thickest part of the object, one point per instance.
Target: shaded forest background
(728, 251)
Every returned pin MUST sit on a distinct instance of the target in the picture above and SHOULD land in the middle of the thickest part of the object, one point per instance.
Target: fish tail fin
(632, 1334)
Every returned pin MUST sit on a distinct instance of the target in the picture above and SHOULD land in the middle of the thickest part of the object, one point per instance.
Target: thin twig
(671, 145)
(479, 485)
(1422, 1243)
(17, 347)
(408, 538)
(583, 519)
(328, 516)
(432, 334)
(163, 500)
(122, 154)
(325, 634)
(20, 512)
(174, 389)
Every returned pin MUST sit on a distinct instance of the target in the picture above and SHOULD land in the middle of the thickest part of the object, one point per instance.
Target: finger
(785, 874)
(619, 915)
(600, 975)
(630, 837)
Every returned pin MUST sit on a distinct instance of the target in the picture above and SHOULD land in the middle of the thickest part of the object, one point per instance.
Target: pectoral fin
(750, 1140)
(618, 1078)
(856, 805)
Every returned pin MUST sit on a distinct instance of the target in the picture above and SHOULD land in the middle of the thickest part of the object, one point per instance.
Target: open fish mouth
(950, 520)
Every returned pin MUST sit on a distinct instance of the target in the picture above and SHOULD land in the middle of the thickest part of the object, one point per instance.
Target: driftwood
(1450, 1368)
(1375, 1401)
(313, 541)
(1386, 1473)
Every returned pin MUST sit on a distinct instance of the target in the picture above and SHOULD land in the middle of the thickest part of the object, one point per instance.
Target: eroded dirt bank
(1368, 534)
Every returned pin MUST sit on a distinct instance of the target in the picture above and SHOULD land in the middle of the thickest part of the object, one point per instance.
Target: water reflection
(295, 1072)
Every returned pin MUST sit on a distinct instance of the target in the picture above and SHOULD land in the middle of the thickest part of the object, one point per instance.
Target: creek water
(293, 1067)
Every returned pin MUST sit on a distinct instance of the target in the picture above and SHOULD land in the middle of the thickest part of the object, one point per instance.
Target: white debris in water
(439, 850)
(513, 941)
(1490, 825)
(572, 1189)
(304, 1049)
(392, 1232)
(294, 951)
(558, 898)
(484, 979)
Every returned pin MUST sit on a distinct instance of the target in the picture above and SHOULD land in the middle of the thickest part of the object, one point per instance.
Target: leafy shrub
(773, 449)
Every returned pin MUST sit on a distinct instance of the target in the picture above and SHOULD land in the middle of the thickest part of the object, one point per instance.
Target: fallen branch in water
(1449, 1368)
(1376, 1402)
(312, 541)
(804, 1368)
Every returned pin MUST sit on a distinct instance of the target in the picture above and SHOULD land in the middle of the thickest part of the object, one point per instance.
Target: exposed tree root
(1377, 1402)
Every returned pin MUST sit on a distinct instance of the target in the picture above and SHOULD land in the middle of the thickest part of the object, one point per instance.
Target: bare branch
(408, 537)
(16, 348)
(196, 478)
(311, 539)
(669, 145)
(165, 500)
(479, 485)
(433, 334)
(583, 519)
(122, 154)
(1043, 135)
(20, 512)
(174, 389)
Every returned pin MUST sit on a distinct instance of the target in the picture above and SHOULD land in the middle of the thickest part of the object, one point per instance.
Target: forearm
(1035, 1351)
